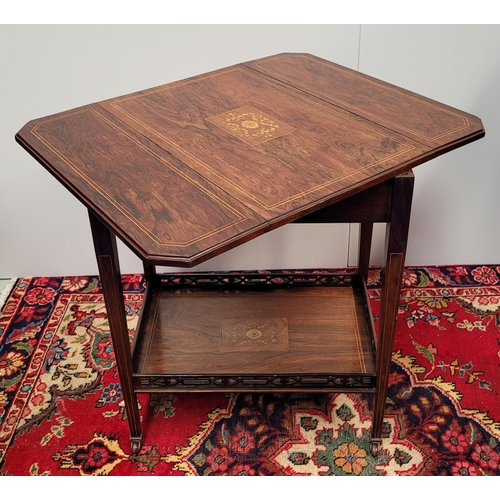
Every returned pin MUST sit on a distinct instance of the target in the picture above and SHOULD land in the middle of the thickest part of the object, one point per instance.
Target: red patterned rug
(60, 395)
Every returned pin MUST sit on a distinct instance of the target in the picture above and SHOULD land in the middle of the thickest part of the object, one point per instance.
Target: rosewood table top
(185, 171)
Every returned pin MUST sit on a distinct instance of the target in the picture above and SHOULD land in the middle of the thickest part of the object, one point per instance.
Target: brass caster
(136, 445)
(375, 448)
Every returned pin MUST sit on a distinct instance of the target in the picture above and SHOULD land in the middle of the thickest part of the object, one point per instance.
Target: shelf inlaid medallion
(254, 334)
(250, 125)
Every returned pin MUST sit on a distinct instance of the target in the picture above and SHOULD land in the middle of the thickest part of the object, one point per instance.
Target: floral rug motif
(338, 444)
(60, 393)
(329, 437)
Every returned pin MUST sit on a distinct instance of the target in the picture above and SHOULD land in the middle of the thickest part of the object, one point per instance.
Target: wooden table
(185, 171)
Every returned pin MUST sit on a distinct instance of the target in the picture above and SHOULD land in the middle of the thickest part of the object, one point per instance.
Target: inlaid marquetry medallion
(254, 334)
(251, 125)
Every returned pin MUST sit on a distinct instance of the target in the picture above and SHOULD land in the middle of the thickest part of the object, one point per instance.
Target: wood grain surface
(326, 332)
(188, 170)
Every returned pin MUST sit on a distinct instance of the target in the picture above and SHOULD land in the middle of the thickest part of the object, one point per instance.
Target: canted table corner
(188, 170)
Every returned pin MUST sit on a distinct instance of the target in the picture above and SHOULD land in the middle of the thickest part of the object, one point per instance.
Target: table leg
(149, 271)
(365, 244)
(397, 236)
(109, 271)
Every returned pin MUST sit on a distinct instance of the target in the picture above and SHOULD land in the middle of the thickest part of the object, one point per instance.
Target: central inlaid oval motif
(254, 334)
(249, 124)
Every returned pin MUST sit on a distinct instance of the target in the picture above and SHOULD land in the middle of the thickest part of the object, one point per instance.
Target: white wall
(456, 209)
(46, 69)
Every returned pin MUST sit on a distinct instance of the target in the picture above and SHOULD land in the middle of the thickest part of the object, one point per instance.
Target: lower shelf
(251, 332)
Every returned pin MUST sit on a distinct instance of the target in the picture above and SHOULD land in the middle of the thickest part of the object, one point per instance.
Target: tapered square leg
(365, 244)
(397, 236)
(109, 271)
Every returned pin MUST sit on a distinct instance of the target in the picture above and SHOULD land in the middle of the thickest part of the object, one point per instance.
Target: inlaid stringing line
(119, 207)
